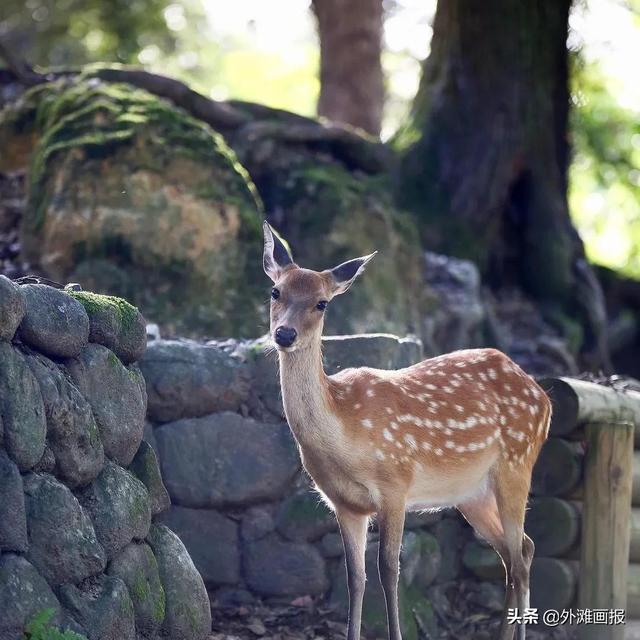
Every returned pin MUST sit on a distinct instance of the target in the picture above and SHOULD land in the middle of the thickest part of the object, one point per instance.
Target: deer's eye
(322, 305)
(275, 293)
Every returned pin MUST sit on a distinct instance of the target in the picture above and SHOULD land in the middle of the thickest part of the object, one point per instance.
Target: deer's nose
(285, 336)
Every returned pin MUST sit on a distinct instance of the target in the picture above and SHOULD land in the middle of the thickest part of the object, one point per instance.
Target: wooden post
(606, 524)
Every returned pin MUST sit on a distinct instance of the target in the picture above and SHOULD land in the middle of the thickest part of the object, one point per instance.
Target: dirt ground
(308, 621)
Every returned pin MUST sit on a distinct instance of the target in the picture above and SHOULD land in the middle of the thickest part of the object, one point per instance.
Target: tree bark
(351, 78)
(485, 152)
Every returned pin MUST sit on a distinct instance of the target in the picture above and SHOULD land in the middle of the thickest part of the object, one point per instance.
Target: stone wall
(245, 510)
(79, 489)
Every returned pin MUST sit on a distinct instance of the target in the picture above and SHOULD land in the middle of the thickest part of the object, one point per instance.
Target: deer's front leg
(391, 525)
(353, 528)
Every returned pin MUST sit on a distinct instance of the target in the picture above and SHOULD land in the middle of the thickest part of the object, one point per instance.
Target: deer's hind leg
(512, 491)
(483, 515)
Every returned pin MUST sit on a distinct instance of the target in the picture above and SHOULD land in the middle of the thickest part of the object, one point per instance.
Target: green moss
(140, 590)
(98, 118)
(39, 628)
(159, 609)
(95, 303)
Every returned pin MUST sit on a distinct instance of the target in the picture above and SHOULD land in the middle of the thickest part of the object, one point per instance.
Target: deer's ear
(343, 276)
(276, 256)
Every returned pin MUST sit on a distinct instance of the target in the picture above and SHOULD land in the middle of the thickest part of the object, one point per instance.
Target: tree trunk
(351, 79)
(485, 152)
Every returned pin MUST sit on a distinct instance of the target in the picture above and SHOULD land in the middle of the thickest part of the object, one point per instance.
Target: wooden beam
(606, 523)
(553, 524)
(558, 469)
(578, 402)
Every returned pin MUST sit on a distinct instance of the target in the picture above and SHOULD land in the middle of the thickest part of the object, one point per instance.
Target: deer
(458, 430)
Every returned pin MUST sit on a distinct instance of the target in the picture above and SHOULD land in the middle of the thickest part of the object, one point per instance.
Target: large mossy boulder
(131, 196)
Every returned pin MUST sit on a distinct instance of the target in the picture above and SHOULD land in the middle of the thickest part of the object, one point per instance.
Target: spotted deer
(462, 429)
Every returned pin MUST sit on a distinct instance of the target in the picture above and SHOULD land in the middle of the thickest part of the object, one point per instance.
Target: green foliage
(605, 173)
(75, 32)
(38, 628)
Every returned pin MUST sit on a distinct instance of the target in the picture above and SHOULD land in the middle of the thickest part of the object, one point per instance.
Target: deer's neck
(305, 394)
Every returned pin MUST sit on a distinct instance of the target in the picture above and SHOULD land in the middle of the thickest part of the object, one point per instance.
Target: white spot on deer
(411, 441)
(425, 445)
(503, 420)
(459, 407)
(448, 389)
(357, 405)
(370, 393)
(450, 444)
(387, 434)
(399, 444)
(471, 422)
(380, 455)
(461, 449)
(389, 410)
(438, 452)
(492, 374)
(366, 423)
(448, 432)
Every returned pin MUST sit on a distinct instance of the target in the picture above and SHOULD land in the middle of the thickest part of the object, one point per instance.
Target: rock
(233, 597)
(54, 322)
(276, 568)
(13, 519)
(119, 506)
(487, 595)
(149, 436)
(137, 567)
(62, 542)
(211, 540)
(482, 561)
(257, 522)
(188, 615)
(12, 308)
(145, 467)
(456, 321)
(182, 226)
(188, 380)
(451, 536)
(420, 558)
(332, 546)
(265, 398)
(419, 519)
(47, 463)
(117, 398)
(115, 324)
(24, 593)
(225, 460)
(72, 432)
(377, 350)
(304, 516)
(102, 606)
(21, 409)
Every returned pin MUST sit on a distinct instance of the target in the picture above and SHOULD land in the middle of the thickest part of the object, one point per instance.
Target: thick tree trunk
(351, 79)
(485, 153)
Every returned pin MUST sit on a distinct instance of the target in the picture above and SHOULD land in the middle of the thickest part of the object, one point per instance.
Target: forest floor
(287, 622)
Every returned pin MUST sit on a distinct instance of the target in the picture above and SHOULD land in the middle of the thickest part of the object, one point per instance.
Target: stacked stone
(241, 504)
(78, 486)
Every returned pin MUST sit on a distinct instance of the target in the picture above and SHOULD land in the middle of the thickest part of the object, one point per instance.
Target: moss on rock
(118, 176)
